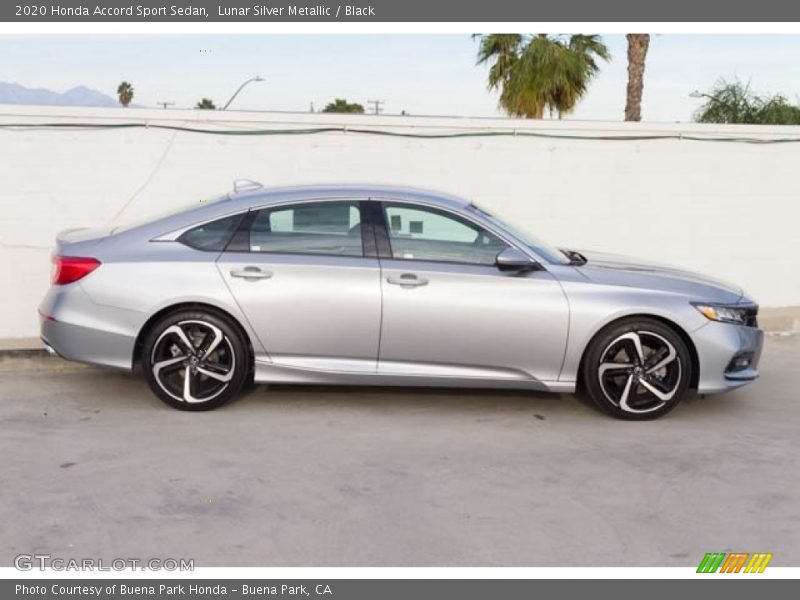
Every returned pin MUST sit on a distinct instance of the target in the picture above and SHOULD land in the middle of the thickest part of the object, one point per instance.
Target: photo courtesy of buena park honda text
(429, 300)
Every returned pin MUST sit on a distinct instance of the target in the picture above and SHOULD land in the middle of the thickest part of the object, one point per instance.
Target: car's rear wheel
(195, 360)
(636, 369)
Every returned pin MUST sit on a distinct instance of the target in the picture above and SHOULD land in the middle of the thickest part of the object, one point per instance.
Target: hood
(614, 269)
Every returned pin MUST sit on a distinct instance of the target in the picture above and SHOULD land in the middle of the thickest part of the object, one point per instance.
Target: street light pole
(699, 94)
(236, 93)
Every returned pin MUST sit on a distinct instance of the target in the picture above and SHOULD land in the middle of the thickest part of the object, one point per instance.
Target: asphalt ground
(94, 466)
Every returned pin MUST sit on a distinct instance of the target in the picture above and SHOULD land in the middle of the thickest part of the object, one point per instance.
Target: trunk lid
(81, 234)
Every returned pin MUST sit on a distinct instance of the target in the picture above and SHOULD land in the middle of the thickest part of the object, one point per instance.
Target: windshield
(550, 254)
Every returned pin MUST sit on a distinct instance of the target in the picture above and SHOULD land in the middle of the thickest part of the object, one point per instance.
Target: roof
(348, 190)
(253, 196)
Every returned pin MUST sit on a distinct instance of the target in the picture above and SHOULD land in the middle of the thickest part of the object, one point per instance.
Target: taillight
(68, 269)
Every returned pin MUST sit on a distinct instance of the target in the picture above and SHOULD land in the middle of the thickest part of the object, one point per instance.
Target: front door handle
(251, 273)
(407, 280)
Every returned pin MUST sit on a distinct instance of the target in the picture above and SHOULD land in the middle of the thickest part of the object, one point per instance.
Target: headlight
(724, 312)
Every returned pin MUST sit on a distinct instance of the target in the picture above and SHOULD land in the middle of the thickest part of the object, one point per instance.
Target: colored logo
(735, 562)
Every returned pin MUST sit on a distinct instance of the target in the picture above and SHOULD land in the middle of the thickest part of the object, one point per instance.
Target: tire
(637, 384)
(199, 345)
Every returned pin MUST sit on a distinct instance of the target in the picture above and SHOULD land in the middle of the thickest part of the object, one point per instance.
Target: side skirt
(266, 372)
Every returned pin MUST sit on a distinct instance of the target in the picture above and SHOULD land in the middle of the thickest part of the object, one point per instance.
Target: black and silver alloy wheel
(194, 361)
(638, 369)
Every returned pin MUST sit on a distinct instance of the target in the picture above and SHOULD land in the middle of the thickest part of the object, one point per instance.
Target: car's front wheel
(195, 360)
(638, 368)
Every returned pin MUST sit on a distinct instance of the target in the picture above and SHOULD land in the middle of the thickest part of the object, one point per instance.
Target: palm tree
(125, 93)
(538, 73)
(206, 104)
(637, 53)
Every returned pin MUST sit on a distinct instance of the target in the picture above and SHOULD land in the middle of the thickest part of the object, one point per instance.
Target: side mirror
(512, 259)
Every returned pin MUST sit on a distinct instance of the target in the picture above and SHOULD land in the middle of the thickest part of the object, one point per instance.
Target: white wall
(725, 208)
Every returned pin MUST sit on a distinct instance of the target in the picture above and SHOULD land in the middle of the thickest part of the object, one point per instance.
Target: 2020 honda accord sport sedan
(386, 286)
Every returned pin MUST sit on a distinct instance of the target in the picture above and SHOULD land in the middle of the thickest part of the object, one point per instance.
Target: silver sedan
(386, 286)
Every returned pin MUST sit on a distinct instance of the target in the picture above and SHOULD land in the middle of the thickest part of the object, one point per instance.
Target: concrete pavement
(95, 466)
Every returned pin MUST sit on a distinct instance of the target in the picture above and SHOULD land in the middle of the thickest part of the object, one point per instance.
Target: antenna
(246, 185)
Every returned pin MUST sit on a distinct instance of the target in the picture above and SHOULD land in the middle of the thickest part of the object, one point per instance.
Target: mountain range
(12, 93)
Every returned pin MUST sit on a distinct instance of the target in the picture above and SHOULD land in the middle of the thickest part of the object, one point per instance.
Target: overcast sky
(421, 74)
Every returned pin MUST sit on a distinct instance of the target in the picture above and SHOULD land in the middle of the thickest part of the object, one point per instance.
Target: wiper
(575, 258)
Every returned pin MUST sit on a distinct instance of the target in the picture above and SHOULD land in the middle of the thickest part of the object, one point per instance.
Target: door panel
(471, 321)
(299, 274)
(310, 311)
(449, 311)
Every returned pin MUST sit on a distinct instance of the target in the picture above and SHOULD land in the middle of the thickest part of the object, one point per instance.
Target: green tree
(541, 72)
(125, 93)
(340, 105)
(728, 103)
(777, 110)
(734, 102)
(638, 43)
(206, 104)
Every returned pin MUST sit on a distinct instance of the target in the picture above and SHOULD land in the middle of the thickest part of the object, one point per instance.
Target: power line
(164, 104)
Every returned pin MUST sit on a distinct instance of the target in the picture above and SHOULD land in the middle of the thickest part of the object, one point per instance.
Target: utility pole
(164, 104)
(377, 106)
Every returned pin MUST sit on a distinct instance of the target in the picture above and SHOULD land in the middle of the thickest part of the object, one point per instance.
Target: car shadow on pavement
(111, 389)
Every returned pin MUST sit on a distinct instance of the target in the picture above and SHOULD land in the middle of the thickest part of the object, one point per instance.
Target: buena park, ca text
(177, 590)
(190, 11)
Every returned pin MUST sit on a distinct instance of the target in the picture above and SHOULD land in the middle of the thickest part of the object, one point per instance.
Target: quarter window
(211, 236)
(420, 233)
(332, 228)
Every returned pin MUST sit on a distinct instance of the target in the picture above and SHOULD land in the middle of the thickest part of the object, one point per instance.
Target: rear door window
(327, 228)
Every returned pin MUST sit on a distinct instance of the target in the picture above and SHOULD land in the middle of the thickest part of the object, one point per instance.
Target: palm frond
(541, 72)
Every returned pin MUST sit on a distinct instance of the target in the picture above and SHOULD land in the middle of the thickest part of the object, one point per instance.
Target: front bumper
(718, 344)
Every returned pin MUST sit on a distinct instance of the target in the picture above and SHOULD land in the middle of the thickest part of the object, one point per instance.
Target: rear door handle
(407, 280)
(251, 273)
